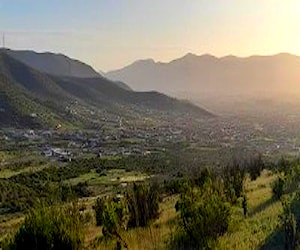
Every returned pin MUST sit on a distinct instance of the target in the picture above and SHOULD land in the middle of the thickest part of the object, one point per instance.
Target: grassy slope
(152, 237)
(253, 232)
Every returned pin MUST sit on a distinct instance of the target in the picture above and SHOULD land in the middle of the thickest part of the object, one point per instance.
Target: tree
(50, 228)
(255, 166)
(112, 215)
(143, 204)
(233, 178)
(289, 225)
(278, 188)
(245, 205)
(204, 216)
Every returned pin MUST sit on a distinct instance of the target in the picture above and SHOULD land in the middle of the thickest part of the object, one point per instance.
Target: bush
(50, 228)
(289, 225)
(245, 205)
(204, 216)
(174, 186)
(255, 166)
(204, 177)
(278, 188)
(81, 190)
(143, 204)
(99, 208)
(112, 215)
(66, 193)
(233, 178)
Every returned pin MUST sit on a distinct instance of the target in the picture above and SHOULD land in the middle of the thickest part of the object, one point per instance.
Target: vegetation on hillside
(211, 209)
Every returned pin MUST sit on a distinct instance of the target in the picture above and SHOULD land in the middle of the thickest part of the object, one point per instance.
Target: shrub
(289, 225)
(233, 178)
(112, 215)
(245, 205)
(81, 189)
(278, 188)
(174, 186)
(99, 208)
(255, 166)
(50, 228)
(204, 216)
(66, 192)
(204, 177)
(143, 204)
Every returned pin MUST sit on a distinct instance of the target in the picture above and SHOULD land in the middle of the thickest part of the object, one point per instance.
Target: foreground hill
(206, 74)
(23, 96)
(28, 96)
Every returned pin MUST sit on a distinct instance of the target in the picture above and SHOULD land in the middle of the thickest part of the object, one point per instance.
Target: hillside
(19, 109)
(206, 74)
(74, 99)
(54, 64)
(101, 92)
(57, 64)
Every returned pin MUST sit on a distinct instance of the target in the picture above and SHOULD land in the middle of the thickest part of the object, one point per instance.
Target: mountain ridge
(56, 64)
(207, 74)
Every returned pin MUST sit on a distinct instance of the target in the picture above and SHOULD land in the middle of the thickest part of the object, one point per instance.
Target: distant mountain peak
(145, 61)
(229, 57)
(140, 63)
(190, 57)
(208, 56)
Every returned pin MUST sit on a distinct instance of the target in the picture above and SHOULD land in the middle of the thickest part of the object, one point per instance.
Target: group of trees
(22, 191)
(286, 189)
(49, 227)
(204, 207)
(206, 202)
(137, 208)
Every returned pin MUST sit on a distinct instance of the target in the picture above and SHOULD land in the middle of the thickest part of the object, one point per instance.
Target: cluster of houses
(143, 140)
(57, 153)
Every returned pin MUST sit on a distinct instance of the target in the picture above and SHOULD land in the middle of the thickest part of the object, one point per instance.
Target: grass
(110, 177)
(27, 161)
(7, 173)
(257, 231)
(262, 221)
(148, 238)
(9, 224)
(252, 232)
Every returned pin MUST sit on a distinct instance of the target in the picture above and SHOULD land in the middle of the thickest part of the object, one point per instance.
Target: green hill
(31, 97)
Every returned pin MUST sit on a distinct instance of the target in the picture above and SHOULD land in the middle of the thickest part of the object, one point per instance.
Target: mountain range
(208, 75)
(38, 90)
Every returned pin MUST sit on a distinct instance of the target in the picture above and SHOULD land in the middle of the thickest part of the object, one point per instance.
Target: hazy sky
(109, 34)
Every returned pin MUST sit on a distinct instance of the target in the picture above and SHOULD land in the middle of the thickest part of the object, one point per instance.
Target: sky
(109, 34)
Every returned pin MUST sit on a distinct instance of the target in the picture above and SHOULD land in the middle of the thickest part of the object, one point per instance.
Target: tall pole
(70, 70)
(3, 40)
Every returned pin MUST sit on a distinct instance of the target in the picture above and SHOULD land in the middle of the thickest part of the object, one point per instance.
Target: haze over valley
(219, 82)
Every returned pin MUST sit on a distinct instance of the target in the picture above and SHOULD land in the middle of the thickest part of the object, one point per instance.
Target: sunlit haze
(149, 124)
(112, 34)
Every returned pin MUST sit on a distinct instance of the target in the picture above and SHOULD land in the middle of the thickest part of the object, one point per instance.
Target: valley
(77, 142)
